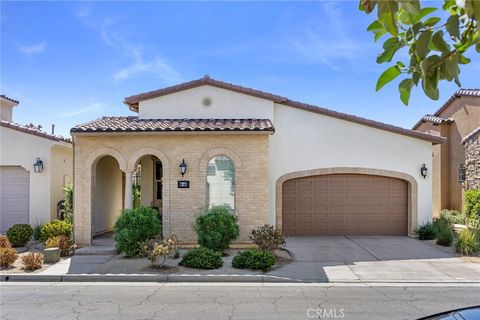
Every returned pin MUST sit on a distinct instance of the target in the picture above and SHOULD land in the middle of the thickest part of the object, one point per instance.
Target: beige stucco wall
(63, 164)
(21, 149)
(108, 195)
(6, 112)
(189, 104)
(306, 141)
(465, 111)
(180, 206)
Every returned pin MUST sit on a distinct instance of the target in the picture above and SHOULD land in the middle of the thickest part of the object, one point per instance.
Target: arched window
(221, 182)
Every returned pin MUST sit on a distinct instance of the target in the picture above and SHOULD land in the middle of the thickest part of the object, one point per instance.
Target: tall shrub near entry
(68, 202)
(472, 203)
(216, 228)
(134, 227)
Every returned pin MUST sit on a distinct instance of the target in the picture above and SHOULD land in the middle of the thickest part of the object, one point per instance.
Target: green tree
(436, 40)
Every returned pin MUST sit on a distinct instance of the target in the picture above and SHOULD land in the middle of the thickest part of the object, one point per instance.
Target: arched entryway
(346, 201)
(108, 201)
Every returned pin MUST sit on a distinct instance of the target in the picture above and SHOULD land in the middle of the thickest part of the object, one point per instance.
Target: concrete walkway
(337, 259)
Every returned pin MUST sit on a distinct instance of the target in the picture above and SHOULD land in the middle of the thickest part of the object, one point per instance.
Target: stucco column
(128, 190)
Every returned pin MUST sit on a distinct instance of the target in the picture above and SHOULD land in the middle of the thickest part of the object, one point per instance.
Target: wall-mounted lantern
(462, 173)
(137, 176)
(38, 166)
(183, 167)
(423, 171)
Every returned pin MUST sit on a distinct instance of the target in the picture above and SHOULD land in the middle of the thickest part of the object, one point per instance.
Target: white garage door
(14, 197)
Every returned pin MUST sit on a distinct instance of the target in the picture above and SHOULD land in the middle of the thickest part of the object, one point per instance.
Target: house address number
(184, 184)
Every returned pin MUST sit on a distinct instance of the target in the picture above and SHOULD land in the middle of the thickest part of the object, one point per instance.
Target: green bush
(68, 202)
(443, 232)
(19, 234)
(254, 259)
(453, 216)
(134, 227)
(216, 228)
(472, 203)
(426, 231)
(56, 228)
(202, 258)
(467, 242)
(136, 196)
(37, 231)
(267, 237)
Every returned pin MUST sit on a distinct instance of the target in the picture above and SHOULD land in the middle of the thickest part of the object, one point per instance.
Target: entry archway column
(128, 190)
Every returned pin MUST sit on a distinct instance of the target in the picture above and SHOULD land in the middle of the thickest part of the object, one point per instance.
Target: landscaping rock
(51, 255)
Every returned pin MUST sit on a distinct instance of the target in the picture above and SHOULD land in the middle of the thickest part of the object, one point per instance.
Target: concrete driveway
(372, 259)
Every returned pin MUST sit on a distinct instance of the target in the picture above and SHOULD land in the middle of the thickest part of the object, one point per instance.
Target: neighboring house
(27, 196)
(306, 169)
(455, 120)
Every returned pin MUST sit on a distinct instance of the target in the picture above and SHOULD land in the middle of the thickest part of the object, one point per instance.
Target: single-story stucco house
(452, 173)
(27, 196)
(308, 170)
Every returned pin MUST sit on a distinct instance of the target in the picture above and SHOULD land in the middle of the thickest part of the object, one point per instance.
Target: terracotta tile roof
(33, 131)
(134, 124)
(458, 94)
(471, 135)
(436, 120)
(133, 101)
(10, 99)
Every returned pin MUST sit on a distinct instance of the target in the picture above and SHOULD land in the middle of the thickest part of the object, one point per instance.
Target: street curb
(145, 278)
(194, 278)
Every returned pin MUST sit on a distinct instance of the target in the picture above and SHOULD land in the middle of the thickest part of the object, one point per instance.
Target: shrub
(19, 234)
(32, 261)
(68, 202)
(472, 203)
(254, 259)
(267, 237)
(426, 231)
(443, 232)
(453, 216)
(467, 242)
(62, 242)
(37, 231)
(162, 251)
(7, 257)
(56, 228)
(202, 258)
(4, 243)
(134, 227)
(216, 228)
(136, 197)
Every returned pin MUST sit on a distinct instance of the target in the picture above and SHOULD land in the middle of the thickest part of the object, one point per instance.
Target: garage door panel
(345, 204)
(14, 196)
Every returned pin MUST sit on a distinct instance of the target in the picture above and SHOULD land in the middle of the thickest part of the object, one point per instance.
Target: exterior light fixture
(462, 173)
(423, 171)
(38, 166)
(183, 167)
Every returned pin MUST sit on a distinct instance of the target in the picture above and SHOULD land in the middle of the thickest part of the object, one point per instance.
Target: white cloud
(112, 37)
(33, 49)
(93, 108)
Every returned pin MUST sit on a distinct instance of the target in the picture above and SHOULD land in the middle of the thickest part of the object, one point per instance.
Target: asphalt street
(230, 301)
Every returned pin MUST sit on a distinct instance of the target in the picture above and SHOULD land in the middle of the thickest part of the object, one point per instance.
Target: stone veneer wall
(472, 161)
(180, 206)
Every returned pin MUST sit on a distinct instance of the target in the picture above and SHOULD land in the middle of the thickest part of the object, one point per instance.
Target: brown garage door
(345, 204)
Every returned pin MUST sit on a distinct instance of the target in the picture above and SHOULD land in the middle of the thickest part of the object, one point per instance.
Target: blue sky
(71, 62)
